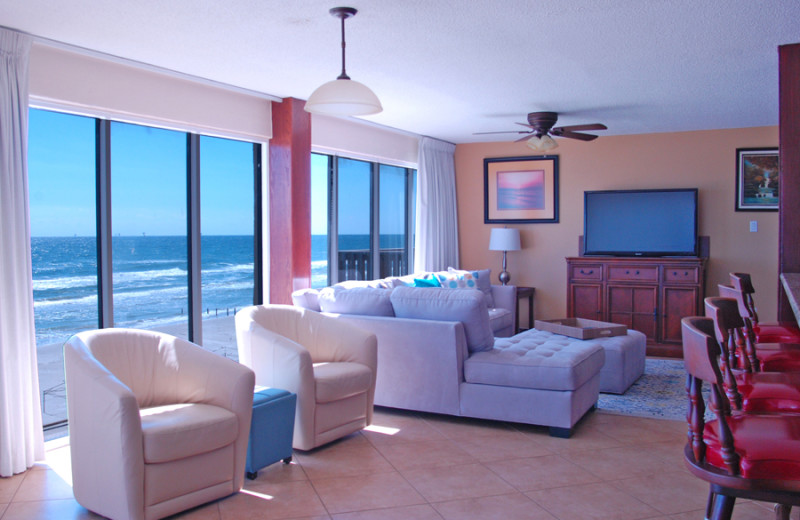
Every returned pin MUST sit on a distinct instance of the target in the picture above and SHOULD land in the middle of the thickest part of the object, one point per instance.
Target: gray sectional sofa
(438, 352)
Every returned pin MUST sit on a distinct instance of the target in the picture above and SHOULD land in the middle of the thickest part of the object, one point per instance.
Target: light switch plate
(753, 226)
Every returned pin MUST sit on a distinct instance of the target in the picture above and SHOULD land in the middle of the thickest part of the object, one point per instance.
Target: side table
(525, 292)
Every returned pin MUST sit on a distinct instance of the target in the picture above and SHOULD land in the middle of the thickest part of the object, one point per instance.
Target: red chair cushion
(776, 333)
(769, 391)
(779, 360)
(769, 445)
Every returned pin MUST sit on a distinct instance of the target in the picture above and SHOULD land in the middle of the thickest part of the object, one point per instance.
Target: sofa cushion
(541, 360)
(307, 299)
(467, 306)
(368, 301)
(500, 319)
(459, 279)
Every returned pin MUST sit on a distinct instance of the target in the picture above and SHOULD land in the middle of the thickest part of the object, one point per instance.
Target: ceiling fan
(541, 127)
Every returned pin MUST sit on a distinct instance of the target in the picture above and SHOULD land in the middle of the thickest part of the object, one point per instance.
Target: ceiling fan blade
(575, 135)
(573, 128)
(524, 138)
(526, 125)
(503, 132)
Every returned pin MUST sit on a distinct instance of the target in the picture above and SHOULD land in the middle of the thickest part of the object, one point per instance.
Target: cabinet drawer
(586, 272)
(633, 273)
(677, 274)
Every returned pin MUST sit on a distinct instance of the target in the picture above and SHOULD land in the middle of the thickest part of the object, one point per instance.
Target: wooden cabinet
(650, 295)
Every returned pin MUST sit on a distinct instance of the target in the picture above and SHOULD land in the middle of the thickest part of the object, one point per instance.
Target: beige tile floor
(421, 466)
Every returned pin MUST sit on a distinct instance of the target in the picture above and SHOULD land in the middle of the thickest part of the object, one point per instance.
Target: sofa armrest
(421, 361)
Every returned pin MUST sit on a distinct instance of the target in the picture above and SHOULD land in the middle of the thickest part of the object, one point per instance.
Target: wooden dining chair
(741, 351)
(741, 455)
(777, 332)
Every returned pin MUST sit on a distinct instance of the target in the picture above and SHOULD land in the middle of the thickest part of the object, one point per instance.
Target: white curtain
(21, 439)
(436, 242)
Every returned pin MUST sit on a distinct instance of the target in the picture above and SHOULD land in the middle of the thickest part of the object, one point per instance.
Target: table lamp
(504, 239)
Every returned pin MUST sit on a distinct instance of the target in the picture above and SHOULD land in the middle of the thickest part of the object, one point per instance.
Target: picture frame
(757, 179)
(520, 190)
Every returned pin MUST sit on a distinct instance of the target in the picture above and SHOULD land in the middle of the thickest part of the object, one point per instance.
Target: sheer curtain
(21, 439)
(436, 242)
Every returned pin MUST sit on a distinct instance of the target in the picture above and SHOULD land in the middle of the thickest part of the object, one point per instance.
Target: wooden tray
(582, 328)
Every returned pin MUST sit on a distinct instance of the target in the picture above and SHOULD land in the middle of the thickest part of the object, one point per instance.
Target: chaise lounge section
(437, 353)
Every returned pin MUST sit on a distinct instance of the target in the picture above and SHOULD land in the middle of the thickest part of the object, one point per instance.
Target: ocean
(151, 279)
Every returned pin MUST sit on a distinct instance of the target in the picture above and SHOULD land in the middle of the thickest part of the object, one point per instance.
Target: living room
(700, 157)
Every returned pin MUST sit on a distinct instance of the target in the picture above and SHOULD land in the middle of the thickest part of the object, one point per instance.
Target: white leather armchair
(330, 365)
(157, 424)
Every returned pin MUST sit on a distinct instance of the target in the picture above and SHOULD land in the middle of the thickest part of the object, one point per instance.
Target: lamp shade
(541, 144)
(504, 239)
(343, 97)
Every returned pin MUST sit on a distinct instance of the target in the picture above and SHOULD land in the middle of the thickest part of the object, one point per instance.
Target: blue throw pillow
(426, 282)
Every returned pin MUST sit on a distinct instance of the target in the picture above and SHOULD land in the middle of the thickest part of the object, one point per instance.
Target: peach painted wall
(701, 159)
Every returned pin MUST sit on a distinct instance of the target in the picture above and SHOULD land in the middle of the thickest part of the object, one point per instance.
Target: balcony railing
(357, 264)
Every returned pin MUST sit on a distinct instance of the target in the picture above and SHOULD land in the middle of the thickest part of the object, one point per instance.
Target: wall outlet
(753, 226)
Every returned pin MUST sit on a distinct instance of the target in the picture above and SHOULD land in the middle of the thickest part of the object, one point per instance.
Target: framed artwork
(520, 189)
(758, 179)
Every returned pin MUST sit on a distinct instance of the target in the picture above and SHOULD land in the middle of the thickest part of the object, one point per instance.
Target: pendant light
(343, 96)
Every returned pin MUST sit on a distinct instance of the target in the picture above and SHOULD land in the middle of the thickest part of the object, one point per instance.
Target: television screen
(640, 222)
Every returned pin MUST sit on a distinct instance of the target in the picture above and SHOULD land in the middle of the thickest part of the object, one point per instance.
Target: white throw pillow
(307, 299)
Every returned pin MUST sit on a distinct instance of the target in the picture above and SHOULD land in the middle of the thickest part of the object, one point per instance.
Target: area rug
(659, 393)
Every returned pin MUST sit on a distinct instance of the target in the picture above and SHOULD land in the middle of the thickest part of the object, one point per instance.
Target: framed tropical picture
(758, 179)
(520, 189)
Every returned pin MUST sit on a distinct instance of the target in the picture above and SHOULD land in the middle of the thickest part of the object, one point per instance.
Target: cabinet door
(585, 301)
(634, 306)
(677, 303)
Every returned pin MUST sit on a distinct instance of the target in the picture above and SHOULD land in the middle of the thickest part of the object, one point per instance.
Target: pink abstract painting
(520, 190)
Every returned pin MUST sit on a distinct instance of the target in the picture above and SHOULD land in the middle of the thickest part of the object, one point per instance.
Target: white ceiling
(449, 68)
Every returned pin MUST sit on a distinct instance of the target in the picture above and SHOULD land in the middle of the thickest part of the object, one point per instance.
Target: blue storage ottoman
(271, 429)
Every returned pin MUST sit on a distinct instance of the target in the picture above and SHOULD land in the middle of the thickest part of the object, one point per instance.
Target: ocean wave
(84, 300)
(67, 282)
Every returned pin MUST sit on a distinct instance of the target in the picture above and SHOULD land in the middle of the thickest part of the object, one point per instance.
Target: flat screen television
(640, 222)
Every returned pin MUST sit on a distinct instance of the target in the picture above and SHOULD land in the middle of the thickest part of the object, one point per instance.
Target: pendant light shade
(343, 96)
(541, 143)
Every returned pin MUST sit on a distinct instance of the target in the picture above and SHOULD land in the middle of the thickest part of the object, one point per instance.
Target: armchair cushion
(173, 432)
(467, 306)
(335, 381)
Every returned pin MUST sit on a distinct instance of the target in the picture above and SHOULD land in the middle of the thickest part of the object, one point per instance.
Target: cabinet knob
(590, 271)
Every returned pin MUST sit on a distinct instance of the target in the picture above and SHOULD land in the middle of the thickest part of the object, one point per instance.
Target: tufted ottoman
(625, 357)
(534, 377)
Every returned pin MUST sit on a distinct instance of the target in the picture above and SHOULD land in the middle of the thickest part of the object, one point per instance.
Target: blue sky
(148, 186)
(148, 183)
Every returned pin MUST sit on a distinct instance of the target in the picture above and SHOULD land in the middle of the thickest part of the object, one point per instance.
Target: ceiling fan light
(541, 144)
(343, 97)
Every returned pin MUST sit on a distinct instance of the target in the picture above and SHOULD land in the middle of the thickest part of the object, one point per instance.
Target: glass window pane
(413, 220)
(148, 213)
(320, 168)
(354, 219)
(227, 243)
(392, 218)
(61, 186)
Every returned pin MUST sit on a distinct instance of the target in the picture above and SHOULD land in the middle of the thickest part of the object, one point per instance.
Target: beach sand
(219, 336)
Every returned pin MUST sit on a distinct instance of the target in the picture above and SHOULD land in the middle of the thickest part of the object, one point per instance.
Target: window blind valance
(89, 84)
